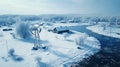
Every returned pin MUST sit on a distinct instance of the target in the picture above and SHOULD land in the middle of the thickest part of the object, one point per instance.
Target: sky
(60, 7)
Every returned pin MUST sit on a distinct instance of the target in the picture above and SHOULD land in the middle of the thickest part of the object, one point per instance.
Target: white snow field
(60, 51)
(112, 32)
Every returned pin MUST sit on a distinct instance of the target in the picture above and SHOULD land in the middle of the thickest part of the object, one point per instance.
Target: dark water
(108, 56)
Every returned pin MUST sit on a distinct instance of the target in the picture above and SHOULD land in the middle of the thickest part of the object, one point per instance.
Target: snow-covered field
(61, 49)
(112, 32)
(70, 24)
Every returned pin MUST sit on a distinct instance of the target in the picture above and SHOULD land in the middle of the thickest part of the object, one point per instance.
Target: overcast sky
(60, 7)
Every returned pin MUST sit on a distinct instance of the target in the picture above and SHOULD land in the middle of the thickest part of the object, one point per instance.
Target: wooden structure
(35, 30)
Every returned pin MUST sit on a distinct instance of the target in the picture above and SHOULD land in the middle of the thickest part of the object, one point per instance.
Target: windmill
(35, 30)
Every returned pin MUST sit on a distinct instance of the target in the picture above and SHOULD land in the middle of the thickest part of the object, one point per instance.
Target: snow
(61, 28)
(59, 52)
(70, 24)
(112, 32)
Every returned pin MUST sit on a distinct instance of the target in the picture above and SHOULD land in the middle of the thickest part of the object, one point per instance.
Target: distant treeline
(6, 20)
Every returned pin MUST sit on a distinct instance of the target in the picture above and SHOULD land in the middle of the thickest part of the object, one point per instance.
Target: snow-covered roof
(61, 28)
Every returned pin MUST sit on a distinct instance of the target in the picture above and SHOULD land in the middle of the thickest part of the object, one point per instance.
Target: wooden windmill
(35, 30)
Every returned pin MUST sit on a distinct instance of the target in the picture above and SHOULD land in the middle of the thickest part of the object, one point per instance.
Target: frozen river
(109, 55)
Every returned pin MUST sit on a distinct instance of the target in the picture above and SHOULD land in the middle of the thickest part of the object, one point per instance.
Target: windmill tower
(35, 30)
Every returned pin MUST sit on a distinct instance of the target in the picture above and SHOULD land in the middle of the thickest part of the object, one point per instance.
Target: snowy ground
(60, 50)
(112, 32)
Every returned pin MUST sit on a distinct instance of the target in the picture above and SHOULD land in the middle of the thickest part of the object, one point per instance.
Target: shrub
(79, 40)
(13, 56)
(11, 52)
(22, 30)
